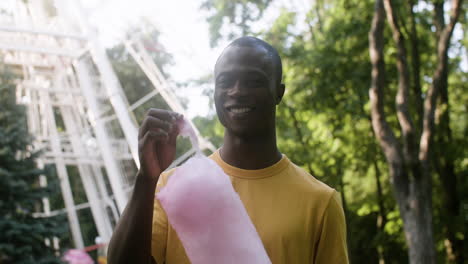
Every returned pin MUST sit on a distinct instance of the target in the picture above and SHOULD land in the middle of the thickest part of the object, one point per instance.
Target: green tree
(239, 12)
(22, 237)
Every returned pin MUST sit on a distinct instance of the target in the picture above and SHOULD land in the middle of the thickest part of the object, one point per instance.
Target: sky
(184, 34)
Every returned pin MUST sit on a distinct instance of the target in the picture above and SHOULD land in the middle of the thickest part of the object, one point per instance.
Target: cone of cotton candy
(208, 215)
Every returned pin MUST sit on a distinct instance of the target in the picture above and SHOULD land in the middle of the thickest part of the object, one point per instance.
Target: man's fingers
(162, 114)
(151, 135)
(159, 118)
(154, 124)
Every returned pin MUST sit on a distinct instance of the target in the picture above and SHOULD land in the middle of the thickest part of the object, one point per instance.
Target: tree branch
(442, 156)
(402, 98)
(300, 137)
(439, 17)
(416, 67)
(317, 7)
(430, 102)
(383, 132)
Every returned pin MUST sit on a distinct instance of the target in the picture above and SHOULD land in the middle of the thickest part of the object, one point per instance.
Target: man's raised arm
(131, 240)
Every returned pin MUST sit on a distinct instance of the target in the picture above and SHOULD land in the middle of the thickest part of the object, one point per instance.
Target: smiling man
(299, 219)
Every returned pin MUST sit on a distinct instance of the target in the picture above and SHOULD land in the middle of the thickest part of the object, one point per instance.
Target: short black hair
(248, 41)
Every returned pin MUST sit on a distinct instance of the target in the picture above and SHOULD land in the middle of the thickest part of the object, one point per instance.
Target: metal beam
(113, 172)
(50, 159)
(60, 211)
(63, 175)
(16, 29)
(48, 50)
(101, 220)
(143, 100)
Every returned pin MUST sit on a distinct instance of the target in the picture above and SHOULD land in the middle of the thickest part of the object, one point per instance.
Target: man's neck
(250, 154)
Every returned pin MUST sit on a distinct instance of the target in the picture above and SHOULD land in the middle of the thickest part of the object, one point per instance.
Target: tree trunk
(417, 219)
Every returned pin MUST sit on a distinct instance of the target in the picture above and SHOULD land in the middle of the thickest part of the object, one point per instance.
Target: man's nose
(237, 89)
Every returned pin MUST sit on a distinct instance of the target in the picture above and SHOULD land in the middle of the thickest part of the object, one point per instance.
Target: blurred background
(375, 106)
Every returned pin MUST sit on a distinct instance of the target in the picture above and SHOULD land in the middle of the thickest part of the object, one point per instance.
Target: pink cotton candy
(186, 130)
(77, 256)
(209, 216)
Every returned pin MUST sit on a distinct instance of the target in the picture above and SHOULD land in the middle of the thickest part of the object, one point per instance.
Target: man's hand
(131, 240)
(157, 142)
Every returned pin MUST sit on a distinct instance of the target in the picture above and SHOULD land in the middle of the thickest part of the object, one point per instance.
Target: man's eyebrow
(250, 71)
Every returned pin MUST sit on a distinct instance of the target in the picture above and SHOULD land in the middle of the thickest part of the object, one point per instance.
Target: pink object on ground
(77, 256)
(208, 215)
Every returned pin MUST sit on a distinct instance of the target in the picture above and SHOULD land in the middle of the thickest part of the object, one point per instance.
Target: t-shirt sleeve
(332, 246)
(159, 230)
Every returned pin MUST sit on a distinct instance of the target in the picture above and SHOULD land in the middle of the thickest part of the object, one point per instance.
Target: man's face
(245, 90)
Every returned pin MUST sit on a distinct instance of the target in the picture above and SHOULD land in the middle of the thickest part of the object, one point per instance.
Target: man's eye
(254, 83)
(223, 83)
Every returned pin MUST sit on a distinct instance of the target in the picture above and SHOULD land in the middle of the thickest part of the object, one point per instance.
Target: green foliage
(212, 127)
(22, 237)
(239, 12)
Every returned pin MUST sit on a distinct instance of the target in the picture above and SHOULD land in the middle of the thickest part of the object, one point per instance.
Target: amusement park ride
(72, 94)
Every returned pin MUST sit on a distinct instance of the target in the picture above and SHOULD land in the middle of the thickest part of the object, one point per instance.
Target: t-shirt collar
(251, 174)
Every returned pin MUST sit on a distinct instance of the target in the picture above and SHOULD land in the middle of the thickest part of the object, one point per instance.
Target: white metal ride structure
(72, 96)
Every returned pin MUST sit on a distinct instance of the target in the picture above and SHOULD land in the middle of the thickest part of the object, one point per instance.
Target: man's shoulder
(308, 183)
(306, 189)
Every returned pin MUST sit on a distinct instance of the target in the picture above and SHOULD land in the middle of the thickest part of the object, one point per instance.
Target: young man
(299, 219)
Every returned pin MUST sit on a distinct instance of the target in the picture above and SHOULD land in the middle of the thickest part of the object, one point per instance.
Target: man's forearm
(131, 240)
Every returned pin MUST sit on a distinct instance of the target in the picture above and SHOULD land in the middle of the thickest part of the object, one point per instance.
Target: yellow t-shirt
(299, 219)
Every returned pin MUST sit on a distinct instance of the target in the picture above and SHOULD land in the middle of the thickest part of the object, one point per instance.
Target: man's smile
(237, 111)
(240, 109)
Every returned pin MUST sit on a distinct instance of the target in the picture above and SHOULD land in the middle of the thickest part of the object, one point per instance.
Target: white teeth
(240, 110)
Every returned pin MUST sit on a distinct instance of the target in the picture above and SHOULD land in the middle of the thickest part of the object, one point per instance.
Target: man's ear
(280, 93)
